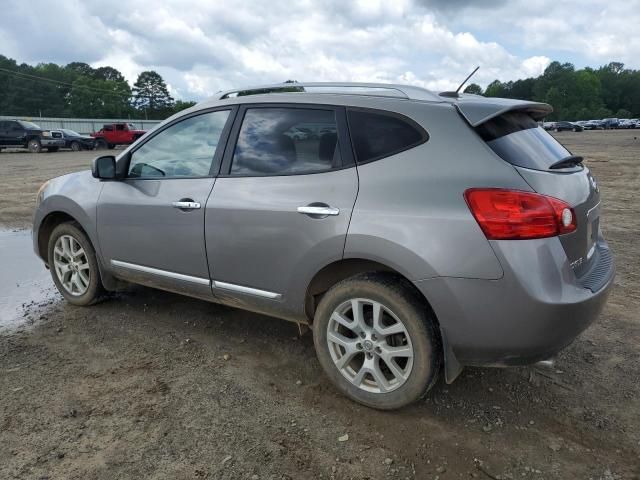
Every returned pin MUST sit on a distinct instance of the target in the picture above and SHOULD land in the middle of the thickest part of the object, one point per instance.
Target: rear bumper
(530, 314)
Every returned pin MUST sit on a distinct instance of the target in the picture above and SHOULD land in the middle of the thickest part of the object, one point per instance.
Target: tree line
(585, 94)
(79, 90)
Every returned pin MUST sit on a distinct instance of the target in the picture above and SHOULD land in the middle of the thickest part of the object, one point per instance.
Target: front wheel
(376, 341)
(76, 147)
(74, 265)
(101, 144)
(34, 145)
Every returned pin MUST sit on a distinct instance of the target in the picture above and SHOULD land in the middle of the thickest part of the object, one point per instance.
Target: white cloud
(201, 47)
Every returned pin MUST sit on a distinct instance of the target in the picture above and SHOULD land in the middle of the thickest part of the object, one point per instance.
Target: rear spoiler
(477, 110)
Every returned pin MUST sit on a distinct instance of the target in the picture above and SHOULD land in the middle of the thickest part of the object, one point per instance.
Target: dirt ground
(154, 385)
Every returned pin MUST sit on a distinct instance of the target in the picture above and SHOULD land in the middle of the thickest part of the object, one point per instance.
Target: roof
(476, 109)
(408, 92)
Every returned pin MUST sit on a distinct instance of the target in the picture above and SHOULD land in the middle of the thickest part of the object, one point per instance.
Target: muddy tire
(101, 144)
(385, 355)
(34, 145)
(74, 266)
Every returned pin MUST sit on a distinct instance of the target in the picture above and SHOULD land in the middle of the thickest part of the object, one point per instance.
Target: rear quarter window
(518, 139)
(377, 134)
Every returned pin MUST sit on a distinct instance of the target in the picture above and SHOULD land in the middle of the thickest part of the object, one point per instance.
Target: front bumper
(530, 314)
(51, 142)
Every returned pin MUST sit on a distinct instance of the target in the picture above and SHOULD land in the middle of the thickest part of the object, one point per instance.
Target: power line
(59, 82)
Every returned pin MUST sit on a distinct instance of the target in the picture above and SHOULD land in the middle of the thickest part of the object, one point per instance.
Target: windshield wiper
(566, 162)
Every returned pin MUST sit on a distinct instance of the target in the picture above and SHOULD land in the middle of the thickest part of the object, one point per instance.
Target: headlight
(41, 192)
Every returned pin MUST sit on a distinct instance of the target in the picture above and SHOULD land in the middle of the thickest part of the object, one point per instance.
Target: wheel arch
(45, 229)
(340, 270)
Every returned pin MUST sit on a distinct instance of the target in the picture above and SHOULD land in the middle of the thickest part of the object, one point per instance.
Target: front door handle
(319, 210)
(186, 205)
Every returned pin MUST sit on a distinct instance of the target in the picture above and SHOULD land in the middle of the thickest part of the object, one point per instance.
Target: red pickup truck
(116, 134)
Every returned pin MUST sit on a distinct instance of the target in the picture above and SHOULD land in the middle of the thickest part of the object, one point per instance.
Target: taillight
(515, 215)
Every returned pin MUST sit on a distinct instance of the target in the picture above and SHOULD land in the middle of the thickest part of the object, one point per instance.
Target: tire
(111, 146)
(403, 310)
(64, 249)
(556, 129)
(574, 129)
(34, 145)
(52, 149)
(101, 144)
(75, 146)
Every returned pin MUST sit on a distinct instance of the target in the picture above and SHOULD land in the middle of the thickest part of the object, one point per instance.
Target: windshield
(29, 125)
(71, 133)
(517, 138)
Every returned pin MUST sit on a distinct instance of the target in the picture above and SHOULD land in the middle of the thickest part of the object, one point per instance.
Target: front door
(151, 223)
(281, 207)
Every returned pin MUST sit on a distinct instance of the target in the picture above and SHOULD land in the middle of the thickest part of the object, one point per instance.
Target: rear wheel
(376, 341)
(101, 144)
(75, 146)
(34, 145)
(74, 265)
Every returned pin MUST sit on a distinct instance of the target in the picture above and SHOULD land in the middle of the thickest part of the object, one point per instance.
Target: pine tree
(150, 94)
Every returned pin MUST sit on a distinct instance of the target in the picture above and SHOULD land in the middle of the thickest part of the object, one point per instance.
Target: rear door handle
(186, 205)
(318, 210)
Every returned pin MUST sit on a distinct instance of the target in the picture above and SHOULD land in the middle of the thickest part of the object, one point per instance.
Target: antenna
(467, 79)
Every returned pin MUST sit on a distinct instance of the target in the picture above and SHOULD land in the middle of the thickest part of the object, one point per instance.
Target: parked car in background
(610, 123)
(566, 126)
(113, 134)
(23, 134)
(76, 141)
(415, 231)
(628, 123)
(548, 125)
(594, 125)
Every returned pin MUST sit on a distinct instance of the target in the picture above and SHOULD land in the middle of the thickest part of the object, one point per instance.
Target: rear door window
(518, 139)
(286, 141)
(377, 134)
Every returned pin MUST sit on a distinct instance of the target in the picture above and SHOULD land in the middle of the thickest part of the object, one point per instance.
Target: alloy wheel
(370, 345)
(71, 265)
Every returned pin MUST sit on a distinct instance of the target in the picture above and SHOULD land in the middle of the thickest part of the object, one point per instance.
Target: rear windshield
(518, 139)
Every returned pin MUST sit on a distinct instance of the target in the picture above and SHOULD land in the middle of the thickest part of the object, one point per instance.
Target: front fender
(76, 196)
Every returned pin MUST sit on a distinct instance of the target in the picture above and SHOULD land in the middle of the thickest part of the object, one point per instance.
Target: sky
(203, 46)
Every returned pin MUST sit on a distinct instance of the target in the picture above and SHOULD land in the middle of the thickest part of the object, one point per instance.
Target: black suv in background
(22, 134)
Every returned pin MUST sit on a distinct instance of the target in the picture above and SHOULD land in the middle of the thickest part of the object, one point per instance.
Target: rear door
(151, 223)
(14, 134)
(3, 132)
(281, 206)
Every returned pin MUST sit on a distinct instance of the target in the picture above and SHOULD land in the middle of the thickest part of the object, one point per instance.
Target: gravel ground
(154, 385)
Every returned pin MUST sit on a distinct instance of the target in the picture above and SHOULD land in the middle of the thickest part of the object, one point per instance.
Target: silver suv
(412, 231)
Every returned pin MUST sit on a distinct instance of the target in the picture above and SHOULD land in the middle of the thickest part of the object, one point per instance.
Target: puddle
(24, 280)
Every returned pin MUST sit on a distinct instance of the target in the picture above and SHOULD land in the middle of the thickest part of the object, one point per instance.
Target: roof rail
(348, 88)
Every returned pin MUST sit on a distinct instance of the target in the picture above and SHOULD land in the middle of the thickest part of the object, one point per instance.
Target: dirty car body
(481, 216)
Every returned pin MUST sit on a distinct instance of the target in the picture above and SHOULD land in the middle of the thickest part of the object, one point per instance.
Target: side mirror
(104, 167)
